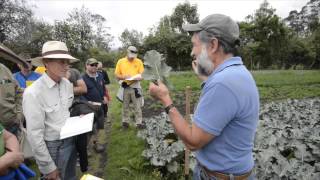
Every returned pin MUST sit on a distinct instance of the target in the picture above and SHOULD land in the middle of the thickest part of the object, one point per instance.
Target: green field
(123, 158)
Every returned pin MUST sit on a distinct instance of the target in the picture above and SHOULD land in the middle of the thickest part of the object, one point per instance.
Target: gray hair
(206, 37)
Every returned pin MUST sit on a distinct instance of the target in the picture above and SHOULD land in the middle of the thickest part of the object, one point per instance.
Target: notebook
(77, 125)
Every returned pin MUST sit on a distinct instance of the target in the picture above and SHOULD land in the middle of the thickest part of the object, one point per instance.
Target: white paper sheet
(135, 77)
(77, 125)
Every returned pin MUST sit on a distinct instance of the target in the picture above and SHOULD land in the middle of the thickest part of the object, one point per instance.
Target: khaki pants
(129, 97)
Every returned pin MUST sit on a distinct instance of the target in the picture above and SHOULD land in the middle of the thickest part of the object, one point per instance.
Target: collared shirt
(228, 109)
(125, 67)
(25, 81)
(46, 108)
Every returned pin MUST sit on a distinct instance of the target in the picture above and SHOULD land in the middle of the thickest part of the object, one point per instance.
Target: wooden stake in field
(187, 117)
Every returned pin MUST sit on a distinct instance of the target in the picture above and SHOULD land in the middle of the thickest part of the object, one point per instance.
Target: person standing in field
(127, 68)
(95, 94)
(46, 108)
(226, 117)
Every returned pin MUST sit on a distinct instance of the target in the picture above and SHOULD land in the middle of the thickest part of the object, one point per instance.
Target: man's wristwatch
(167, 109)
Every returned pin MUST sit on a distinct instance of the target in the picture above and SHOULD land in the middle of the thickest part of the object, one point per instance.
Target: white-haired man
(226, 117)
(46, 107)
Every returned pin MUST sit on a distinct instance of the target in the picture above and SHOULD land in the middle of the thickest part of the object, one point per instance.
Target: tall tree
(101, 36)
(169, 38)
(34, 36)
(132, 37)
(182, 14)
(14, 16)
(267, 34)
(83, 30)
(315, 45)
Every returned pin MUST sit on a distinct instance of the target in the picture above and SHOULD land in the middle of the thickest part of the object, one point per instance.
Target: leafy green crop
(164, 148)
(287, 143)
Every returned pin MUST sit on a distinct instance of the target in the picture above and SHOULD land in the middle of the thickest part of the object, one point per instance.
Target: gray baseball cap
(220, 25)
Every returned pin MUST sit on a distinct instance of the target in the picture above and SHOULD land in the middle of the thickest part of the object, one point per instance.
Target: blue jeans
(200, 174)
(64, 155)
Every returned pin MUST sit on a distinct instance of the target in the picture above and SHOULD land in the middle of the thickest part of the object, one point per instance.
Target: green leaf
(155, 66)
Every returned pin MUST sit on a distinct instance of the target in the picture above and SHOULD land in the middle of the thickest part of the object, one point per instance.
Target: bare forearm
(182, 127)
(4, 164)
(13, 157)
(12, 143)
(79, 90)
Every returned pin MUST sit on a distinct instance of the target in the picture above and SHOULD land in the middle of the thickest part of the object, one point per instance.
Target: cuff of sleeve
(48, 169)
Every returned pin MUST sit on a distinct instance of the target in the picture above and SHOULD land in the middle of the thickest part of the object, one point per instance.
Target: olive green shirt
(10, 99)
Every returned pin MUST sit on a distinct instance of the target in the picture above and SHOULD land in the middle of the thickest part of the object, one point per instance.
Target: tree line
(267, 41)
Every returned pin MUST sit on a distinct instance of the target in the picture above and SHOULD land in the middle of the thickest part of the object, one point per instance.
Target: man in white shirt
(46, 107)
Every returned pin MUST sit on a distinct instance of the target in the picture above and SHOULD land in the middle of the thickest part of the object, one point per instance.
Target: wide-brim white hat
(53, 50)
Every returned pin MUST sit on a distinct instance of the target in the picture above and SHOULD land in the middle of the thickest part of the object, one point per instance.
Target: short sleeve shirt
(228, 109)
(125, 67)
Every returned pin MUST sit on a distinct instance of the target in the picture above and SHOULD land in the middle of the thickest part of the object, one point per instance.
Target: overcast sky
(144, 14)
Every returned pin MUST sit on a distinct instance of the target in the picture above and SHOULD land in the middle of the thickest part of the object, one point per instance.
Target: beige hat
(218, 24)
(53, 50)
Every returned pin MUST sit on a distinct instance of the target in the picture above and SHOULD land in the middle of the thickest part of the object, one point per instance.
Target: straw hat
(53, 50)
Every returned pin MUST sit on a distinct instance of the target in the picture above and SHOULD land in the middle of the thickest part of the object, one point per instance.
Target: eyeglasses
(93, 65)
(135, 52)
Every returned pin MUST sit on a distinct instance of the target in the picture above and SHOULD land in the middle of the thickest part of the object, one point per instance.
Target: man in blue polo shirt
(26, 76)
(226, 117)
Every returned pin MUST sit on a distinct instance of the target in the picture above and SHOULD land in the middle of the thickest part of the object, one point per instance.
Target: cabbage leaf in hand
(155, 67)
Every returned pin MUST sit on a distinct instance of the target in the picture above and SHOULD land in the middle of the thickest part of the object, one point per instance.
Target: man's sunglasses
(93, 65)
(135, 52)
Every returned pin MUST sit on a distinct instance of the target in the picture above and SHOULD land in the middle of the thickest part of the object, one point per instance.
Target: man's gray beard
(205, 66)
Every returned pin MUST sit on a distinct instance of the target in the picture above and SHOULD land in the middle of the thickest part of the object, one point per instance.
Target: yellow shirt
(40, 69)
(125, 67)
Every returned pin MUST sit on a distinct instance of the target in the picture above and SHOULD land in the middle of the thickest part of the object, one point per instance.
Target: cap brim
(93, 63)
(7, 54)
(191, 27)
(38, 60)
